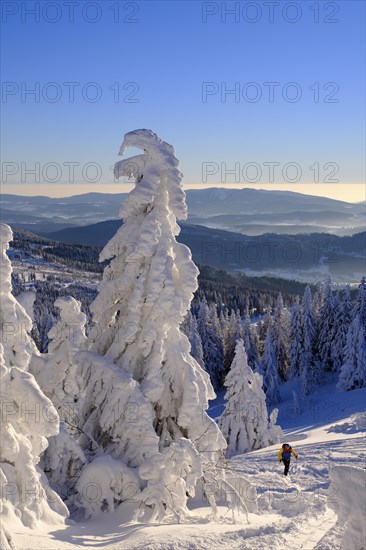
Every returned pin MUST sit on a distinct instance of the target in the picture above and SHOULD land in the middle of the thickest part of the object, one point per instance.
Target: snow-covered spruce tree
(224, 319)
(56, 370)
(146, 291)
(249, 339)
(309, 368)
(263, 327)
(326, 322)
(196, 343)
(342, 321)
(281, 337)
(353, 372)
(269, 370)
(295, 340)
(245, 422)
(27, 418)
(212, 344)
(233, 332)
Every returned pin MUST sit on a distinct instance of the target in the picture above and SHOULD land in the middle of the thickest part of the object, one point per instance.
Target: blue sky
(159, 55)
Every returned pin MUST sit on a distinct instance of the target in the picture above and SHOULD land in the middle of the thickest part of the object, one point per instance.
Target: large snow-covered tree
(28, 418)
(145, 294)
(244, 421)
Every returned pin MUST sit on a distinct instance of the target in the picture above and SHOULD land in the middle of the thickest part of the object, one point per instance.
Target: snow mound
(356, 423)
(105, 481)
(347, 499)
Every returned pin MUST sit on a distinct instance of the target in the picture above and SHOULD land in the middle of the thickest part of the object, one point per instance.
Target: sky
(251, 94)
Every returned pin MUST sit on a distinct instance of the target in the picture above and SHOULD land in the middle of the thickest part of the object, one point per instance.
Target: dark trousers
(287, 465)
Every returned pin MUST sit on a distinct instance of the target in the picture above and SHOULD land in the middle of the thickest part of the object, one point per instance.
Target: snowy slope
(293, 512)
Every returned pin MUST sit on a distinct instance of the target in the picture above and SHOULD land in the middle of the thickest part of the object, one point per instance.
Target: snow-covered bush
(244, 421)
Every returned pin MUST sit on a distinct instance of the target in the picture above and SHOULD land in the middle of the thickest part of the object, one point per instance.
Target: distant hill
(247, 211)
(234, 290)
(302, 257)
(96, 233)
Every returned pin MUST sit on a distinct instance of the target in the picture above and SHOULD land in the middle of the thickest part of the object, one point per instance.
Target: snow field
(304, 511)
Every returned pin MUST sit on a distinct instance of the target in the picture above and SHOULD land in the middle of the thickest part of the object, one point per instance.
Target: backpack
(286, 451)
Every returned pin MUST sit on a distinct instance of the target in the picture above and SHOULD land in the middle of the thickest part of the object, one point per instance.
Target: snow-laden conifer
(27, 419)
(244, 421)
(145, 294)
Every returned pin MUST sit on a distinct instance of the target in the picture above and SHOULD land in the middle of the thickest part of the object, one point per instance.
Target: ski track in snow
(293, 510)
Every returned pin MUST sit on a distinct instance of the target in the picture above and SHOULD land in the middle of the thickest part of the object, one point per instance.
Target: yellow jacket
(281, 451)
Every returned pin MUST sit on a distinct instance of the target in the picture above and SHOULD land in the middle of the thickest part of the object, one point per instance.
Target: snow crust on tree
(244, 421)
(26, 300)
(115, 417)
